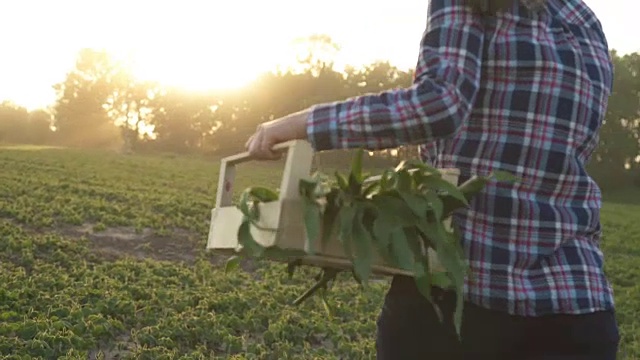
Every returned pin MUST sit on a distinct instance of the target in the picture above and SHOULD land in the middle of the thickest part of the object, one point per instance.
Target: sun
(193, 70)
(194, 45)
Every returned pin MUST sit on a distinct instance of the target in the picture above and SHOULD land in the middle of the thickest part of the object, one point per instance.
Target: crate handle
(297, 167)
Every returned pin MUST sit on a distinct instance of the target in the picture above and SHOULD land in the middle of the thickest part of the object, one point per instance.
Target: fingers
(260, 146)
(248, 143)
(266, 149)
(254, 145)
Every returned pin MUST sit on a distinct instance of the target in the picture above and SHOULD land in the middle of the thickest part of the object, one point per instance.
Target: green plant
(398, 215)
(81, 302)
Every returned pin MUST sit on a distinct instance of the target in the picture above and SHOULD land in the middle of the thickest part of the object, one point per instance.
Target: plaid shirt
(523, 92)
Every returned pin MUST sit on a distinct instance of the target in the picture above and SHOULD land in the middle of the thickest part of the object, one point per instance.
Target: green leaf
(436, 234)
(245, 238)
(394, 208)
(440, 184)
(323, 185)
(445, 246)
(251, 197)
(356, 166)
(401, 251)
(243, 203)
(416, 203)
(382, 228)
(347, 215)
(449, 205)
(329, 217)
(342, 181)
(422, 279)
(263, 194)
(469, 189)
(456, 236)
(387, 180)
(505, 176)
(457, 314)
(473, 186)
(370, 189)
(312, 218)
(418, 178)
(307, 188)
(426, 168)
(421, 262)
(414, 240)
(231, 264)
(435, 203)
(415, 164)
(363, 244)
(404, 181)
(355, 186)
(441, 280)
(381, 231)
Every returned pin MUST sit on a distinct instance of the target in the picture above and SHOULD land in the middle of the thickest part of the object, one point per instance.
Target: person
(521, 89)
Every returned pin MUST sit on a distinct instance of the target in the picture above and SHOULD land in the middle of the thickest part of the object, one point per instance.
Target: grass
(102, 255)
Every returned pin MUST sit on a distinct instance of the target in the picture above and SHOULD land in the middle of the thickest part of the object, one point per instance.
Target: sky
(217, 43)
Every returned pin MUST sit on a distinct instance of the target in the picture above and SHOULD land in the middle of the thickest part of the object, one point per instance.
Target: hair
(494, 6)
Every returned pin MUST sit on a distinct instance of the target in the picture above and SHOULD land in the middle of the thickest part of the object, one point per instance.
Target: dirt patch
(123, 348)
(117, 242)
(177, 245)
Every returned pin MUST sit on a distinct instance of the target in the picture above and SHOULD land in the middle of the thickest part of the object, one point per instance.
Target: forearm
(427, 111)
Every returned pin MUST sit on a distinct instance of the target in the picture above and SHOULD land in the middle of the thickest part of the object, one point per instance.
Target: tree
(129, 107)
(80, 119)
(618, 146)
(182, 120)
(39, 127)
(14, 121)
(99, 94)
(316, 53)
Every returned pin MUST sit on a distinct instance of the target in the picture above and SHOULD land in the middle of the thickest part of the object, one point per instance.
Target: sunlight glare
(202, 47)
(206, 45)
(191, 70)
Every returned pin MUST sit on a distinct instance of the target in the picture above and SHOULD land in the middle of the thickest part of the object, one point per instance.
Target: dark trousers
(408, 328)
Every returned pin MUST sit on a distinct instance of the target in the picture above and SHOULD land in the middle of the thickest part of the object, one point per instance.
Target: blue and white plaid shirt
(523, 91)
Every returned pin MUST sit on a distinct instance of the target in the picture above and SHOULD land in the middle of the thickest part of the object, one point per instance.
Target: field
(102, 257)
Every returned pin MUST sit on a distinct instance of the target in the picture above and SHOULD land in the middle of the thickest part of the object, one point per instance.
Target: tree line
(101, 105)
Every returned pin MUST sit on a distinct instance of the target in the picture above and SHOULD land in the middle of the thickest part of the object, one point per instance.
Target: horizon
(195, 45)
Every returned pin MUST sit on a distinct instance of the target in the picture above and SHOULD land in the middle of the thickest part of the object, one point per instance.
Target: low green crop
(126, 304)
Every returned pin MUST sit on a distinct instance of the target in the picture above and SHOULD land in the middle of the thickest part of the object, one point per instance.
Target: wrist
(300, 123)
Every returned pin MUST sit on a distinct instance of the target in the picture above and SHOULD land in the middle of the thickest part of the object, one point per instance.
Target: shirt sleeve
(435, 106)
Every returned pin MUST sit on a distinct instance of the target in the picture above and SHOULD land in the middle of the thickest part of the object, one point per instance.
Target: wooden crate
(286, 215)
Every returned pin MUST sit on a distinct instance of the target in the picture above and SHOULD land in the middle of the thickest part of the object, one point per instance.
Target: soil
(177, 245)
(117, 242)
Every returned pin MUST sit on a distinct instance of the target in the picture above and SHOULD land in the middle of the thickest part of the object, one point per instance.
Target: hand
(269, 134)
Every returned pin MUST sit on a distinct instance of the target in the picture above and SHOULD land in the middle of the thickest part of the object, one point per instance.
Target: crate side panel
(225, 222)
